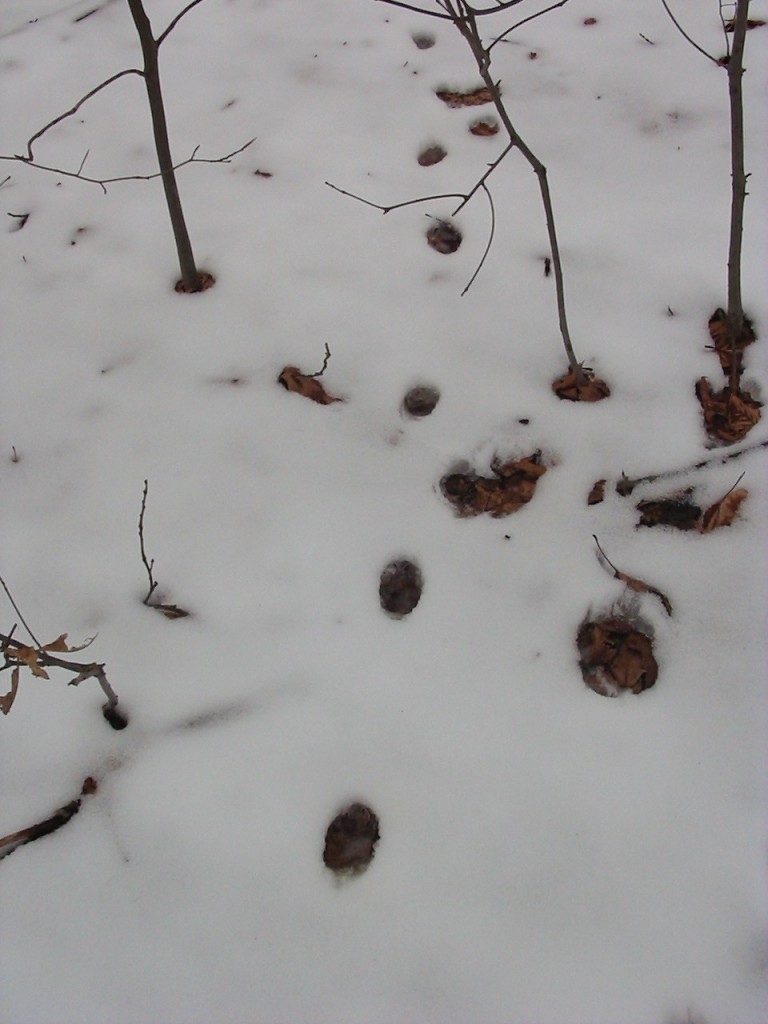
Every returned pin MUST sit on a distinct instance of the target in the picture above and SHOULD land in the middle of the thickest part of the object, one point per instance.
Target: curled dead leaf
(721, 340)
(30, 657)
(472, 98)
(400, 587)
(7, 699)
(724, 511)
(306, 385)
(729, 414)
(678, 511)
(573, 387)
(597, 494)
(615, 656)
(444, 237)
(512, 486)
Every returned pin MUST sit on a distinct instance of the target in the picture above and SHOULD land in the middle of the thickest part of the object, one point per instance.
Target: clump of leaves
(351, 839)
(400, 587)
(731, 356)
(729, 414)
(615, 656)
(581, 385)
(512, 485)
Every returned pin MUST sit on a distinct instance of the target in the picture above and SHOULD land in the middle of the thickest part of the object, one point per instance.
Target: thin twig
(396, 206)
(18, 612)
(174, 22)
(325, 363)
(113, 78)
(638, 585)
(434, 14)
(84, 670)
(103, 182)
(626, 484)
(490, 240)
(149, 566)
(531, 17)
(685, 35)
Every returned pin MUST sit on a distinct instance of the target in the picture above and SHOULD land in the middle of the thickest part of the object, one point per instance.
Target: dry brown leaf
(730, 26)
(597, 494)
(472, 98)
(720, 335)
(571, 389)
(29, 656)
(512, 486)
(728, 415)
(615, 656)
(57, 645)
(723, 512)
(677, 511)
(486, 127)
(640, 587)
(400, 587)
(306, 385)
(444, 237)
(7, 699)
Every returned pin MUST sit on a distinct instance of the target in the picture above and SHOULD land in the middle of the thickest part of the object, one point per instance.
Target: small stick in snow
(631, 581)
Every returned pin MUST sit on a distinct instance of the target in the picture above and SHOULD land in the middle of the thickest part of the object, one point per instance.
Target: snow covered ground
(547, 856)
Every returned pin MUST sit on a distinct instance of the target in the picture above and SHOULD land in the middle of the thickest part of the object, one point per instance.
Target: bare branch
(103, 182)
(490, 239)
(530, 17)
(326, 360)
(174, 22)
(18, 612)
(685, 35)
(89, 670)
(474, 12)
(481, 183)
(149, 566)
(121, 74)
(626, 485)
(396, 206)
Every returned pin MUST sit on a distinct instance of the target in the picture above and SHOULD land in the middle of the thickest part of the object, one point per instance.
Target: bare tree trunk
(466, 24)
(190, 277)
(738, 180)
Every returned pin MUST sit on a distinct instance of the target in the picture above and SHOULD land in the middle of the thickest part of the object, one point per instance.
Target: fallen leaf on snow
(472, 98)
(588, 389)
(512, 486)
(615, 656)
(728, 415)
(597, 494)
(723, 512)
(718, 332)
(678, 511)
(306, 385)
(400, 587)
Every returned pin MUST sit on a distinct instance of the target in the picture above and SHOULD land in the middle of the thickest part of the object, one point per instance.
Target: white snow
(547, 856)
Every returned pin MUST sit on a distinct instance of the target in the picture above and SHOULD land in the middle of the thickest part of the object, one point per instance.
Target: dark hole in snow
(444, 237)
(423, 41)
(400, 587)
(116, 718)
(421, 400)
(350, 840)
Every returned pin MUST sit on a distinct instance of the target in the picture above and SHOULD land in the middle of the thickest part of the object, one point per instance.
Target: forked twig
(639, 586)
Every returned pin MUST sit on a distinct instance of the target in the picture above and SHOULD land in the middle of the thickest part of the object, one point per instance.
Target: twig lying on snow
(639, 586)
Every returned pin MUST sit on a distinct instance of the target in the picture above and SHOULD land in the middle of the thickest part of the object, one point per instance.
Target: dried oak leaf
(597, 494)
(728, 415)
(400, 587)
(588, 389)
(721, 340)
(730, 26)
(7, 699)
(677, 511)
(512, 486)
(306, 385)
(723, 512)
(350, 840)
(615, 656)
(431, 155)
(472, 98)
(485, 127)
